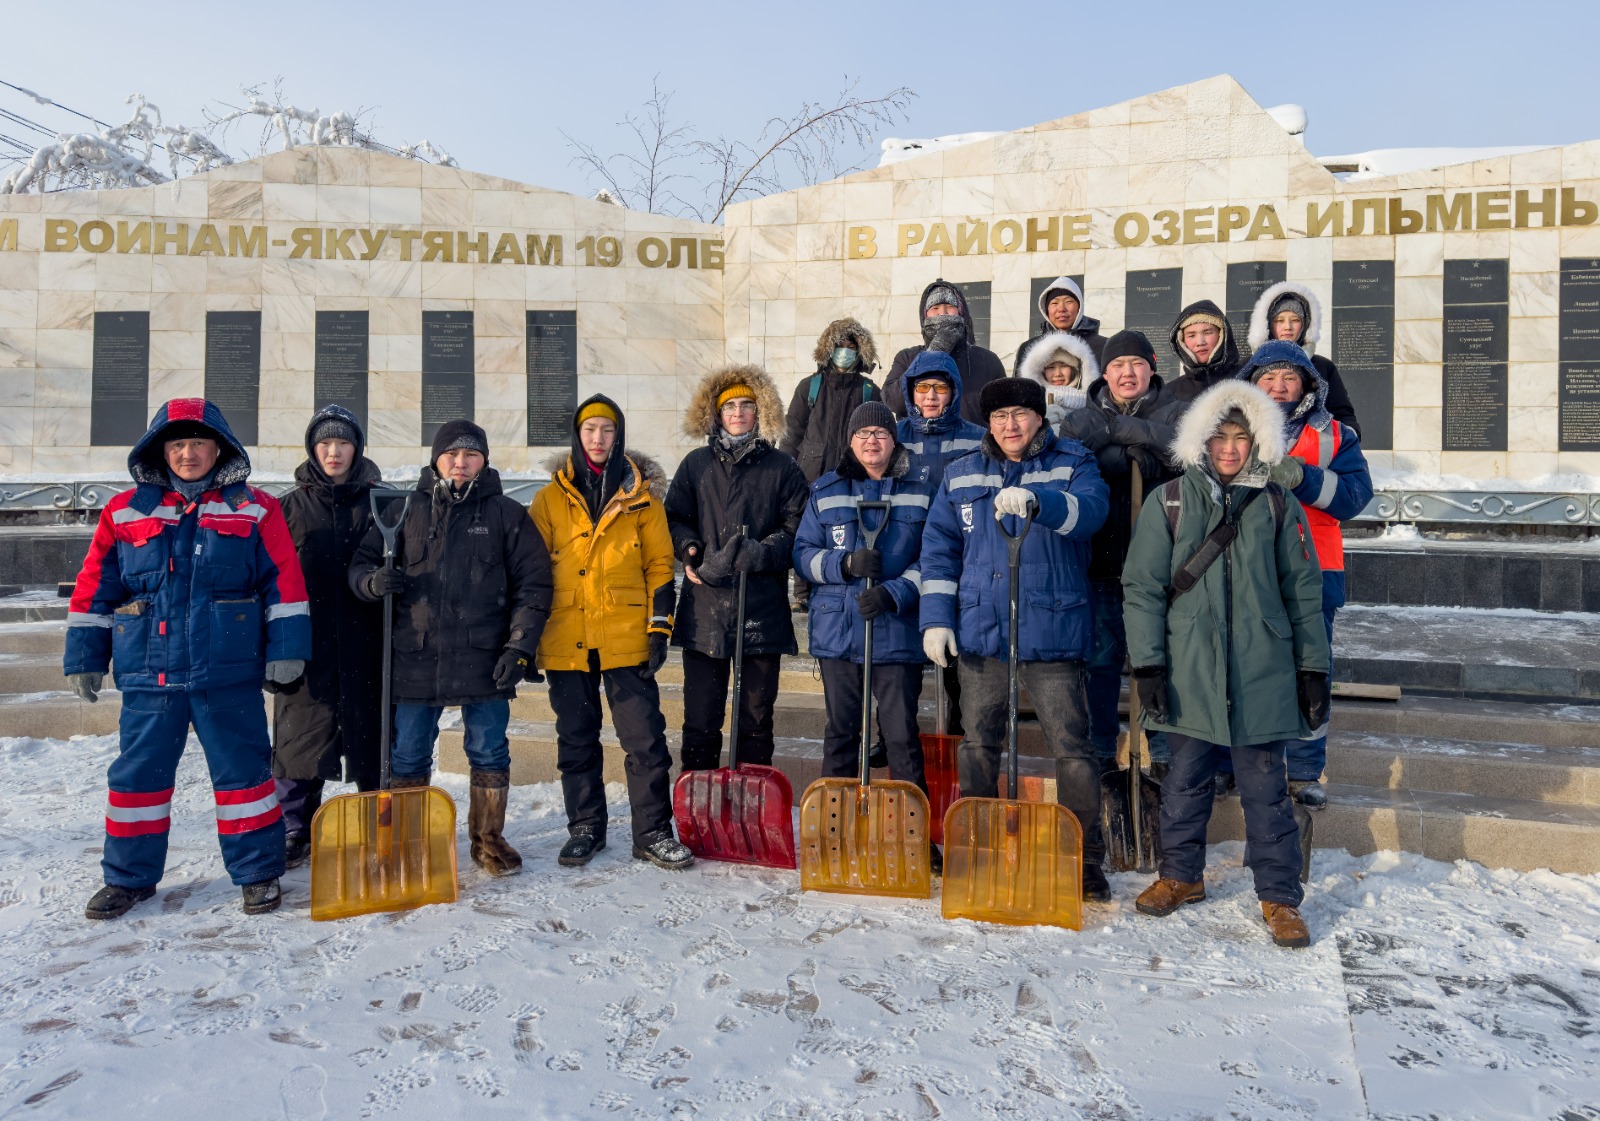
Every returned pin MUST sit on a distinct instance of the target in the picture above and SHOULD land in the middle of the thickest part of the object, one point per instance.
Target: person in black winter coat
(738, 481)
(1202, 338)
(1061, 309)
(326, 725)
(1130, 419)
(471, 585)
(1292, 312)
(947, 327)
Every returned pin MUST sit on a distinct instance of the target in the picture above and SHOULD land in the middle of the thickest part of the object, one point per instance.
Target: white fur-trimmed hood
(1044, 348)
(1262, 416)
(1260, 329)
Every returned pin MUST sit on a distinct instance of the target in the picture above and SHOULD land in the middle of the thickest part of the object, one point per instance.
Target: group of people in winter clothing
(1187, 528)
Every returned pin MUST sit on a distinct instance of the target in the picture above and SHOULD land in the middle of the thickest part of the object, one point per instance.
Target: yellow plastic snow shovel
(1009, 861)
(856, 835)
(388, 850)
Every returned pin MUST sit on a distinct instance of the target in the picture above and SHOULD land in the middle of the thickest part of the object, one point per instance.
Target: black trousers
(705, 697)
(895, 691)
(636, 712)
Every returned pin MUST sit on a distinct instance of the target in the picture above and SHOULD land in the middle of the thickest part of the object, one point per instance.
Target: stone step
(33, 608)
(1473, 721)
(1527, 772)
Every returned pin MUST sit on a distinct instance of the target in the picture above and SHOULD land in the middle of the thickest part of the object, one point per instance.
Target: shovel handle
(738, 669)
(869, 534)
(390, 532)
(1014, 562)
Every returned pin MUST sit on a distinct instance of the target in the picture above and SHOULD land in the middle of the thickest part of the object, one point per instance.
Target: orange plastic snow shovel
(939, 762)
(858, 836)
(1009, 861)
(743, 813)
(388, 850)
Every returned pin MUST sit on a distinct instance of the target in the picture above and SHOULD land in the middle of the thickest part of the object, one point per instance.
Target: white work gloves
(939, 644)
(1013, 500)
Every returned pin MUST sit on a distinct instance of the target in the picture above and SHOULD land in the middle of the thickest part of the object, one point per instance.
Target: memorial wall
(1461, 303)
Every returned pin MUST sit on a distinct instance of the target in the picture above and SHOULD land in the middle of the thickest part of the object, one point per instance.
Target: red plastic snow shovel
(1009, 861)
(939, 762)
(741, 813)
(389, 850)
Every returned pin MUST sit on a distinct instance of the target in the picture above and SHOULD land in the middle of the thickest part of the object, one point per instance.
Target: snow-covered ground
(1431, 991)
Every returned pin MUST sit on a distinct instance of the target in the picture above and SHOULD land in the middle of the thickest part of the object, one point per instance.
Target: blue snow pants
(232, 726)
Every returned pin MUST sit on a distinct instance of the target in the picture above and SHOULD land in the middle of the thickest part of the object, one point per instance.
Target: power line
(41, 99)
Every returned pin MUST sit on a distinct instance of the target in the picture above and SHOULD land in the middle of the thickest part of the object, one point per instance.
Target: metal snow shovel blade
(1009, 861)
(858, 836)
(939, 763)
(742, 813)
(388, 850)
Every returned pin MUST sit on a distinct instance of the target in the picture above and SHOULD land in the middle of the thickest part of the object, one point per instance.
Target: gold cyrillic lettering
(1075, 232)
(1318, 220)
(938, 240)
(405, 238)
(1545, 207)
(972, 239)
(466, 245)
(1401, 220)
(1575, 211)
(207, 240)
(96, 236)
(8, 234)
(684, 249)
(861, 243)
(1230, 218)
(1197, 226)
(1456, 216)
(1493, 210)
(1358, 217)
(711, 253)
(1266, 224)
(1171, 227)
(1012, 239)
(907, 235)
(161, 237)
(245, 241)
(1049, 234)
(133, 238)
(547, 250)
(436, 245)
(652, 252)
(307, 242)
(60, 235)
(373, 241)
(1130, 229)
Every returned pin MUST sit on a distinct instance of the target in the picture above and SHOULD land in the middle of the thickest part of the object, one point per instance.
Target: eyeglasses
(739, 406)
(1008, 416)
(931, 387)
(873, 435)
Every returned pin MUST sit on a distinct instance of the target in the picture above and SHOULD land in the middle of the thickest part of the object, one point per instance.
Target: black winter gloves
(658, 654)
(874, 602)
(510, 669)
(1151, 684)
(864, 564)
(1150, 466)
(1315, 695)
(387, 582)
(717, 568)
(753, 557)
(944, 332)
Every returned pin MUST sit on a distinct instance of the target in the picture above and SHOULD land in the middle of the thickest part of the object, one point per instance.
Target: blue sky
(496, 84)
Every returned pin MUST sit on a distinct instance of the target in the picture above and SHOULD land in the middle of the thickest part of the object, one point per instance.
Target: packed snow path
(1432, 990)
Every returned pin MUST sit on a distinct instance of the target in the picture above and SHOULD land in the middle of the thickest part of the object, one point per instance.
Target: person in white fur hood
(1290, 311)
(1065, 365)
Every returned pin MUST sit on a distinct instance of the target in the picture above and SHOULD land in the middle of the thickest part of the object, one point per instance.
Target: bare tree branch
(660, 145)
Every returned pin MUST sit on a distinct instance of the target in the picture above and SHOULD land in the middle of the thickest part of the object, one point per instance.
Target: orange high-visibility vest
(1318, 448)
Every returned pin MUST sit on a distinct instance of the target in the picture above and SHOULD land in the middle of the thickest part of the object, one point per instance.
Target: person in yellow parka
(602, 519)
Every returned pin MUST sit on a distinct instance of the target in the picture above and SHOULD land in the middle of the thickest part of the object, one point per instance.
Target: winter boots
(296, 850)
(1165, 896)
(407, 782)
(580, 847)
(486, 818)
(664, 851)
(261, 898)
(112, 902)
(1287, 927)
(1096, 888)
(1310, 794)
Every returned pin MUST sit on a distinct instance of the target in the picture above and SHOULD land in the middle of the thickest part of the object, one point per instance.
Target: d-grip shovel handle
(390, 532)
(1014, 559)
(869, 535)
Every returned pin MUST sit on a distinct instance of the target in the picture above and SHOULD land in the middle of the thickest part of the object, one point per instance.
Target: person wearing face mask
(1061, 309)
(947, 328)
(1228, 657)
(1292, 313)
(733, 507)
(1326, 470)
(816, 428)
(471, 590)
(602, 518)
(326, 725)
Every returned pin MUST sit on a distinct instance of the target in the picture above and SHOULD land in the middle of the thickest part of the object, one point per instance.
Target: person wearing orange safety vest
(1326, 471)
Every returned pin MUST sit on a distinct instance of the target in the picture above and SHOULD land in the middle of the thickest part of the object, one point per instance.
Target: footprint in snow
(301, 1090)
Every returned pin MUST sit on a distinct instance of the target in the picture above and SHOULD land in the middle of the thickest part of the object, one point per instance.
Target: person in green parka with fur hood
(1230, 655)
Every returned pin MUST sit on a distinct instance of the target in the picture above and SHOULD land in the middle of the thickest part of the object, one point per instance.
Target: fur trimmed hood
(1044, 348)
(655, 476)
(700, 417)
(839, 333)
(1205, 416)
(1260, 315)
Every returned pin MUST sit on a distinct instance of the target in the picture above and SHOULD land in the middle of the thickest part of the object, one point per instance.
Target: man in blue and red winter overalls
(193, 591)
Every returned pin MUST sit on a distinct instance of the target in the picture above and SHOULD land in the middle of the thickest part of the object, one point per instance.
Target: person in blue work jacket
(192, 595)
(831, 552)
(1022, 466)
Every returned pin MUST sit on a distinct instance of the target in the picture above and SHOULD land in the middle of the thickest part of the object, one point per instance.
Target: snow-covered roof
(895, 149)
(1382, 162)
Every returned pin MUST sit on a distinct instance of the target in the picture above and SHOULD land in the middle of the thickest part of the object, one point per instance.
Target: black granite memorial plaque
(1246, 281)
(447, 369)
(119, 394)
(1579, 397)
(1036, 288)
(341, 362)
(1361, 344)
(1476, 316)
(1152, 299)
(233, 369)
(978, 294)
(552, 377)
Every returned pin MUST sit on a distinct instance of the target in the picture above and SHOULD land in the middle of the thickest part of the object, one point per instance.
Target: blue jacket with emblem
(965, 571)
(188, 592)
(830, 531)
(932, 442)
